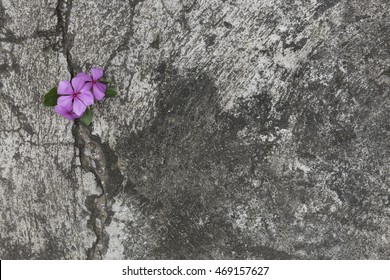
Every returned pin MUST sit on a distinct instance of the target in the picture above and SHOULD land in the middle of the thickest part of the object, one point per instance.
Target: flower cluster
(73, 99)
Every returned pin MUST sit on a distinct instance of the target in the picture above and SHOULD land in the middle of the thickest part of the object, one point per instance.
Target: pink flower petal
(65, 112)
(86, 87)
(74, 116)
(78, 83)
(99, 90)
(86, 97)
(96, 73)
(79, 107)
(86, 77)
(65, 101)
(64, 87)
(60, 110)
(69, 116)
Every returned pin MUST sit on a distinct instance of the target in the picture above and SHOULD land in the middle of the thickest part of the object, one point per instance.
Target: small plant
(73, 99)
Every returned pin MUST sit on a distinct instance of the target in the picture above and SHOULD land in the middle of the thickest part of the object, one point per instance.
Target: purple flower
(76, 96)
(98, 89)
(66, 112)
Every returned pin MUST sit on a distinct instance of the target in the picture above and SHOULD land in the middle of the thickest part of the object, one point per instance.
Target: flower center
(93, 82)
(75, 94)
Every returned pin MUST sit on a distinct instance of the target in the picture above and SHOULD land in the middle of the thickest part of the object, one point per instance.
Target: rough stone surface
(242, 130)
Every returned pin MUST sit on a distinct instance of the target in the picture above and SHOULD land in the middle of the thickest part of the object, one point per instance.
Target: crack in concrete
(63, 10)
(91, 154)
(92, 159)
(10, 37)
(100, 159)
(95, 156)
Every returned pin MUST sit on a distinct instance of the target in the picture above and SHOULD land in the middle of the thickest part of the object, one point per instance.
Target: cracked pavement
(242, 130)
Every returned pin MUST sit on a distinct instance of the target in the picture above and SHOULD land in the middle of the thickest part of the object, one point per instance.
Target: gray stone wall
(242, 130)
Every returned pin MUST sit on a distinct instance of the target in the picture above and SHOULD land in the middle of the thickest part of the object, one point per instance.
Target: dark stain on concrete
(227, 24)
(156, 43)
(186, 168)
(209, 40)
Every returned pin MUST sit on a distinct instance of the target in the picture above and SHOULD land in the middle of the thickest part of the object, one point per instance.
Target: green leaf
(87, 116)
(105, 82)
(110, 92)
(50, 98)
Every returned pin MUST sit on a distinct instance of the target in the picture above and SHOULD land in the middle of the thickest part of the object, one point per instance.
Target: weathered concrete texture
(242, 130)
(42, 189)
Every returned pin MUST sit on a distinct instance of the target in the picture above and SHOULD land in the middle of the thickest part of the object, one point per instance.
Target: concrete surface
(242, 130)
